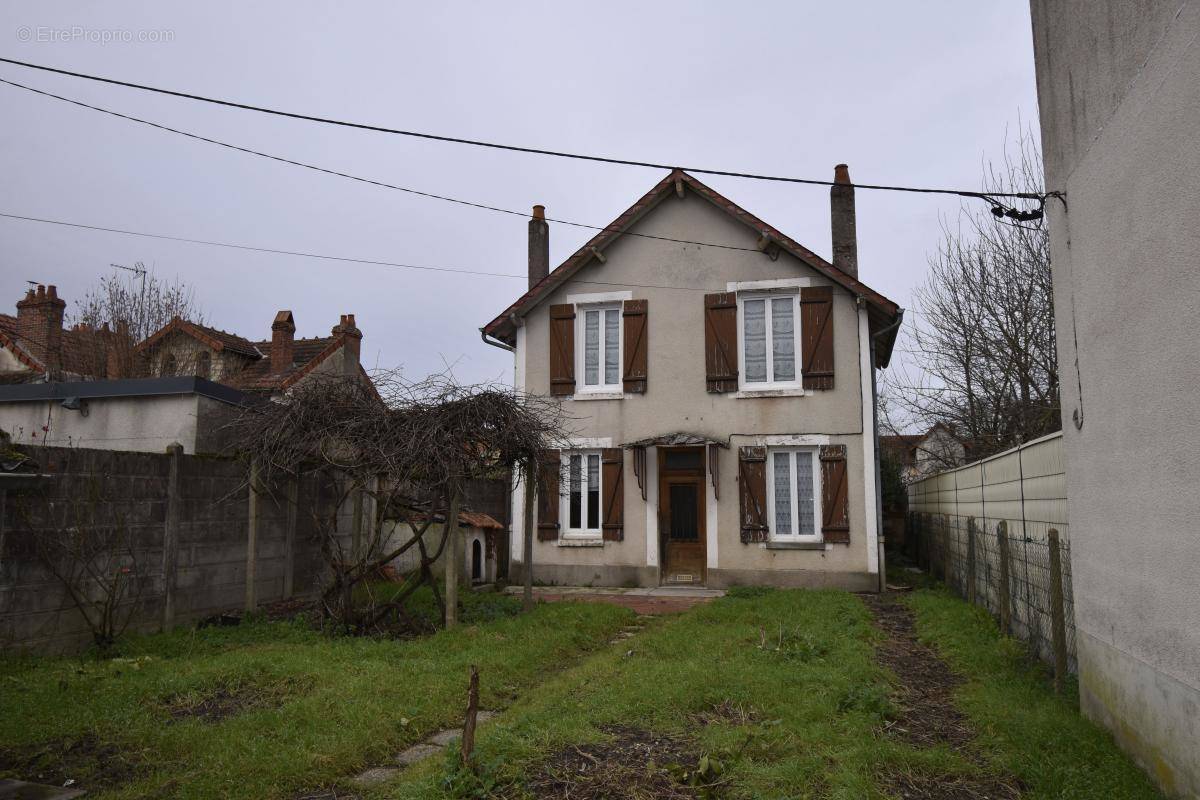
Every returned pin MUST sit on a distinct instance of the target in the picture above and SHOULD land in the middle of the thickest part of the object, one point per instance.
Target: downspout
(875, 440)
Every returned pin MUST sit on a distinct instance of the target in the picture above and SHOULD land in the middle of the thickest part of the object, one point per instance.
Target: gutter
(495, 342)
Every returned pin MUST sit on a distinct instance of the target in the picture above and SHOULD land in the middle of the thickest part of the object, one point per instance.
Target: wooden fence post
(171, 536)
(1005, 560)
(453, 560)
(1057, 617)
(971, 560)
(289, 542)
(252, 540)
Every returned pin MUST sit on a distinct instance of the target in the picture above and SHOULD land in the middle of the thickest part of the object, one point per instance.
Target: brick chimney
(841, 214)
(39, 325)
(352, 349)
(539, 246)
(283, 341)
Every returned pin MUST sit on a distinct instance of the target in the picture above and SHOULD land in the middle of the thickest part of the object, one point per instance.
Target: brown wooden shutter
(548, 499)
(721, 341)
(816, 336)
(835, 504)
(562, 349)
(752, 491)
(612, 463)
(635, 346)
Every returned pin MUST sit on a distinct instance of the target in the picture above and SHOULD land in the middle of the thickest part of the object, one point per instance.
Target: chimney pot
(283, 341)
(539, 246)
(842, 222)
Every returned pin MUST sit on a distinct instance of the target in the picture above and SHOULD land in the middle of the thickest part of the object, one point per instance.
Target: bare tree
(409, 447)
(126, 307)
(983, 339)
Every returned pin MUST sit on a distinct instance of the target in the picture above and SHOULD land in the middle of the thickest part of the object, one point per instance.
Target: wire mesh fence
(1021, 573)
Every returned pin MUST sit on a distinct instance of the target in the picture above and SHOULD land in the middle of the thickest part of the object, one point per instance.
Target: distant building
(1119, 94)
(84, 387)
(923, 454)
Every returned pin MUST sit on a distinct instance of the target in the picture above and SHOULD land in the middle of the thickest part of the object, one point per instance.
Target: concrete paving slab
(21, 790)
(443, 738)
(418, 752)
(376, 776)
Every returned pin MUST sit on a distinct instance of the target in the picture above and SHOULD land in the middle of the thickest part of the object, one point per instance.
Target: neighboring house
(1119, 94)
(34, 345)
(721, 398)
(268, 367)
(95, 388)
(924, 454)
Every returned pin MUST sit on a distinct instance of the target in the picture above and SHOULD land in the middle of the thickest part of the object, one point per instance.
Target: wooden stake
(468, 737)
(1057, 614)
(971, 560)
(1005, 561)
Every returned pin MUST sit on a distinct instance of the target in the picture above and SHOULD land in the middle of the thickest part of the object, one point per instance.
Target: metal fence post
(1058, 619)
(1005, 600)
(971, 560)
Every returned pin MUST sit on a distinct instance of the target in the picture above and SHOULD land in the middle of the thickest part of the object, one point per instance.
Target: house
(34, 345)
(923, 454)
(268, 367)
(82, 387)
(1119, 94)
(721, 394)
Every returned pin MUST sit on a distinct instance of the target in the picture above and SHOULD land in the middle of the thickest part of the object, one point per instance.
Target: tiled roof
(881, 311)
(213, 337)
(306, 354)
(83, 350)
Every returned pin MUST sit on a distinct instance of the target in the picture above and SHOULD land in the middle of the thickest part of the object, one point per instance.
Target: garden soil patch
(87, 762)
(927, 715)
(221, 702)
(634, 763)
(925, 694)
(956, 787)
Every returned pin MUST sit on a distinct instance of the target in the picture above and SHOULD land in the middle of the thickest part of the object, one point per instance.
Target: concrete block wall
(101, 487)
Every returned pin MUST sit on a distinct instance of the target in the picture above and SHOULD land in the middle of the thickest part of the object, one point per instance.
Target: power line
(359, 178)
(326, 257)
(988, 197)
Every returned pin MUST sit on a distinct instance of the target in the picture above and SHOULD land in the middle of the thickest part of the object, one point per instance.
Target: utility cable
(986, 196)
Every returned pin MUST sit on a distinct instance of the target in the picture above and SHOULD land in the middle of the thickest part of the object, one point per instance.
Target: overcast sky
(905, 94)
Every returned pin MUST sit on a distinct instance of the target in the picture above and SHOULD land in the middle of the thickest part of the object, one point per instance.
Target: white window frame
(564, 508)
(581, 385)
(770, 384)
(793, 535)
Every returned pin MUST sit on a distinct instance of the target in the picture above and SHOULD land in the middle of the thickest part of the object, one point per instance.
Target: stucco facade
(1119, 91)
(673, 279)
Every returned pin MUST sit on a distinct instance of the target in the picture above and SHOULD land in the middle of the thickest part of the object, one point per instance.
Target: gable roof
(214, 338)
(881, 312)
(82, 350)
(306, 355)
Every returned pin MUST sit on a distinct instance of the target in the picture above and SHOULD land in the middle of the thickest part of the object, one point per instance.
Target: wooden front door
(682, 514)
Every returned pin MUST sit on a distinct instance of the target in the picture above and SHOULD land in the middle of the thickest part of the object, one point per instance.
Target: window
(599, 340)
(203, 364)
(793, 495)
(169, 366)
(770, 329)
(582, 498)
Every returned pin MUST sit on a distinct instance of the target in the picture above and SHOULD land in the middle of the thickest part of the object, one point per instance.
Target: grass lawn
(310, 709)
(780, 690)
